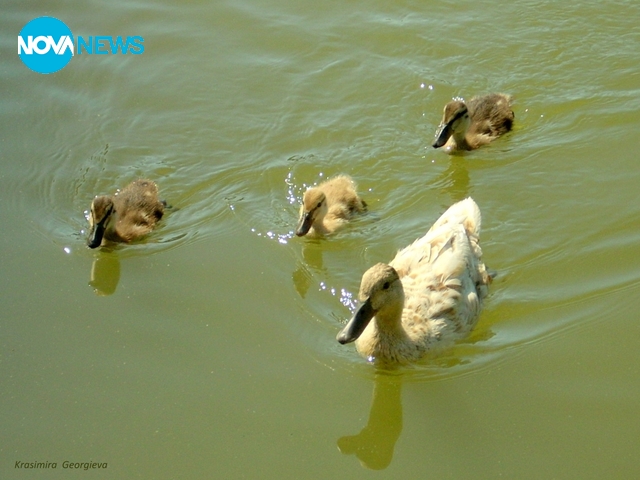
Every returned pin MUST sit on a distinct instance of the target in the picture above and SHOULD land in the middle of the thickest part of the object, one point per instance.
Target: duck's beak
(96, 234)
(443, 133)
(304, 225)
(357, 324)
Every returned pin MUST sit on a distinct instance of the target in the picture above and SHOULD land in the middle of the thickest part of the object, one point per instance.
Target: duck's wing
(491, 114)
(139, 209)
(427, 248)
(342, 196)
(442, 294)
(447, 259)
(423, 251)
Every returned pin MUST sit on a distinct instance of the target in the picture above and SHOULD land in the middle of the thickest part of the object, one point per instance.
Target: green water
(208, 350)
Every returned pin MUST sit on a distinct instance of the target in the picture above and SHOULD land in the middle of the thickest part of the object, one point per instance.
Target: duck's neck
(388, 339)
(390, 332)
(318, 224)
(110, 232)
(460, 137)
(389, 319)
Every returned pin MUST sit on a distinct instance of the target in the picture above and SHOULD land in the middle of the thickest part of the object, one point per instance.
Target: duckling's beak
(306, 220)
(357, 324)
(443, 133)
(96, 234)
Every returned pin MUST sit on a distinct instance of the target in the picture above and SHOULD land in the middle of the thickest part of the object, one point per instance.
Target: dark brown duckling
(125, 216)
(469, 125)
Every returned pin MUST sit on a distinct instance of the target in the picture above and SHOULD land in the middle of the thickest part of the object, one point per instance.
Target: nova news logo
(46, 45)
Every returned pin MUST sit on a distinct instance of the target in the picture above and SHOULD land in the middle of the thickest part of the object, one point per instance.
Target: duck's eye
(319, 204)
(385, 286)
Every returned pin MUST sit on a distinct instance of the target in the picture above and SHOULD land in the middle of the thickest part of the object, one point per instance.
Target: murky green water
(211, 351)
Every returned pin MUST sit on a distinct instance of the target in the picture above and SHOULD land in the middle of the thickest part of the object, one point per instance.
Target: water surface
(208, 349)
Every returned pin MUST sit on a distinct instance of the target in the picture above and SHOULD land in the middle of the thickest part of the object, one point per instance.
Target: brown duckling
(329, 206)
(467, 126)
(125, 216)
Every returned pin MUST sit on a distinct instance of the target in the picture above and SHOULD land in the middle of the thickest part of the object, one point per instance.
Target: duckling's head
(455, 120)
(100, 217)
(314, 208)
(380, 291)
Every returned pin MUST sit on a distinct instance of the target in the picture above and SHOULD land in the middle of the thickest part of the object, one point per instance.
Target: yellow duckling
(328, 206)
(129, 214)
(429, 296)
(467, 126)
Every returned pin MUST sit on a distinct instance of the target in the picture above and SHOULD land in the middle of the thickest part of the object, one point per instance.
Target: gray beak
(306, 220)
(96, 234)
(443, 133)
(357, 324)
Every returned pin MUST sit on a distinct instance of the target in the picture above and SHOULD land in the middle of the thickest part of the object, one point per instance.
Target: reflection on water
(374, 446)
(455, 179)
(301, 279)
(302, 276)
(105, 272)
(375, 443)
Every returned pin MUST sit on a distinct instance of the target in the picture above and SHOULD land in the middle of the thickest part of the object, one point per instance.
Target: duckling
(429, 296)
(329, 206)
(467, 126)
(125, 216)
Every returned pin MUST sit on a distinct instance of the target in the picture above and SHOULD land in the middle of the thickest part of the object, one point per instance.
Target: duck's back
(342, 197)
(139, 209)
(426, 249)
(490, 114)
(444, 278)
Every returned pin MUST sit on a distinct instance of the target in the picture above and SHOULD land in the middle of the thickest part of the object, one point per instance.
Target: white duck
(429, 296)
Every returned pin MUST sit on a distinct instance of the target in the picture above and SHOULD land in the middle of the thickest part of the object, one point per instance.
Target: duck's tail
(465, 213)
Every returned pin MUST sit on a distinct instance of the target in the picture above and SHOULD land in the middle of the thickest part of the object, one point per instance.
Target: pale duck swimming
(429, 296)
(329, 206)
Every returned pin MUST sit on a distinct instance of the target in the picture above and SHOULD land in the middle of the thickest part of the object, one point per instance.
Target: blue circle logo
(45, 45)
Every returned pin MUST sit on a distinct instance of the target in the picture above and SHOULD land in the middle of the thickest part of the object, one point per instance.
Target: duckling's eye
(319, 205)
(385, 286)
